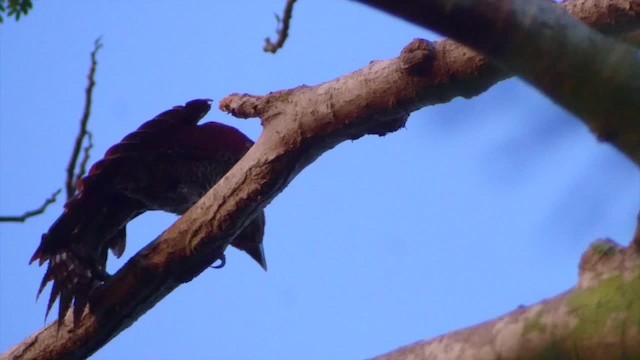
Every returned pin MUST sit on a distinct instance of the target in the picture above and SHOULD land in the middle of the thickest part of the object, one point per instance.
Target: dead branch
(86, 154)
(282, 29)
(28, 214)
(72, 175)
(293, 137)
(72, 179)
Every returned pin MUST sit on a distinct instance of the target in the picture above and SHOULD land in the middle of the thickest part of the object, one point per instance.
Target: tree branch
(558, 54)
(282, 30)
(86, 154)
(299, 125)
(28, 214)
(72, 175)
(573, 325)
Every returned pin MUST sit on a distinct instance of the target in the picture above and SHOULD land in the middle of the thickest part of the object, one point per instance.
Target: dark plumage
(167, 164)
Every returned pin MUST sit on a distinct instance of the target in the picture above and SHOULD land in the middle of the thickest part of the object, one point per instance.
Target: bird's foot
(223, 261)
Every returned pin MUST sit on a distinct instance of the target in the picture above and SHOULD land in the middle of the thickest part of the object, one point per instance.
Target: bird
(167, 164)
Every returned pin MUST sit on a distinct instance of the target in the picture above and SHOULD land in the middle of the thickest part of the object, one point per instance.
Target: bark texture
(597, 320)
(555, 52)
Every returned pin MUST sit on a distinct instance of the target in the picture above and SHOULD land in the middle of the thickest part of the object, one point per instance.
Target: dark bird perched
(167, 164)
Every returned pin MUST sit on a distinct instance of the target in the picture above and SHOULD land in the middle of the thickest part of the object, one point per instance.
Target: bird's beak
(257, 253)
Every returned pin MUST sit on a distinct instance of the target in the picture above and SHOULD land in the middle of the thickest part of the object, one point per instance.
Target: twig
(283, 31)
(32, 213)
(72, 177)
(85, 158)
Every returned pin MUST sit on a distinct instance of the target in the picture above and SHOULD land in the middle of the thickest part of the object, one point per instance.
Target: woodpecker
(167, 164)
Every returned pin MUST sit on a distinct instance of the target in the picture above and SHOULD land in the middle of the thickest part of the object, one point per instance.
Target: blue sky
(476, 207)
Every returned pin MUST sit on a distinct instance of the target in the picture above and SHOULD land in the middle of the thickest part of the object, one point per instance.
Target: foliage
(15, 8)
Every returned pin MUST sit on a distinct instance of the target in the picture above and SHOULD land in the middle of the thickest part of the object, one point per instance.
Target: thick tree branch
(593, 321)
(299, 125)
(28, 214)
(72, 175)
(558, 54)
(282, 30)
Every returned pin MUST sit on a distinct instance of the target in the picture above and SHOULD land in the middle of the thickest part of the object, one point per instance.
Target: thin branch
(72, 179)
(24, 217)
(72, 176)
(290, 141)
(282, 29)
(82, 170)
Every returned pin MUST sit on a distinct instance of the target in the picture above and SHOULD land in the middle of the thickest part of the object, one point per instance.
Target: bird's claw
(104, 276)
(223, 261)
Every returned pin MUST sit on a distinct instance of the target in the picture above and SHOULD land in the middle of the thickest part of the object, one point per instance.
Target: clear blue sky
(477, 207)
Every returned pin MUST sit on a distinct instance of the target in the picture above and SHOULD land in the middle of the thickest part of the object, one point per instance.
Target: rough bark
(540, 42)
(299, 125)
(599, 319)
